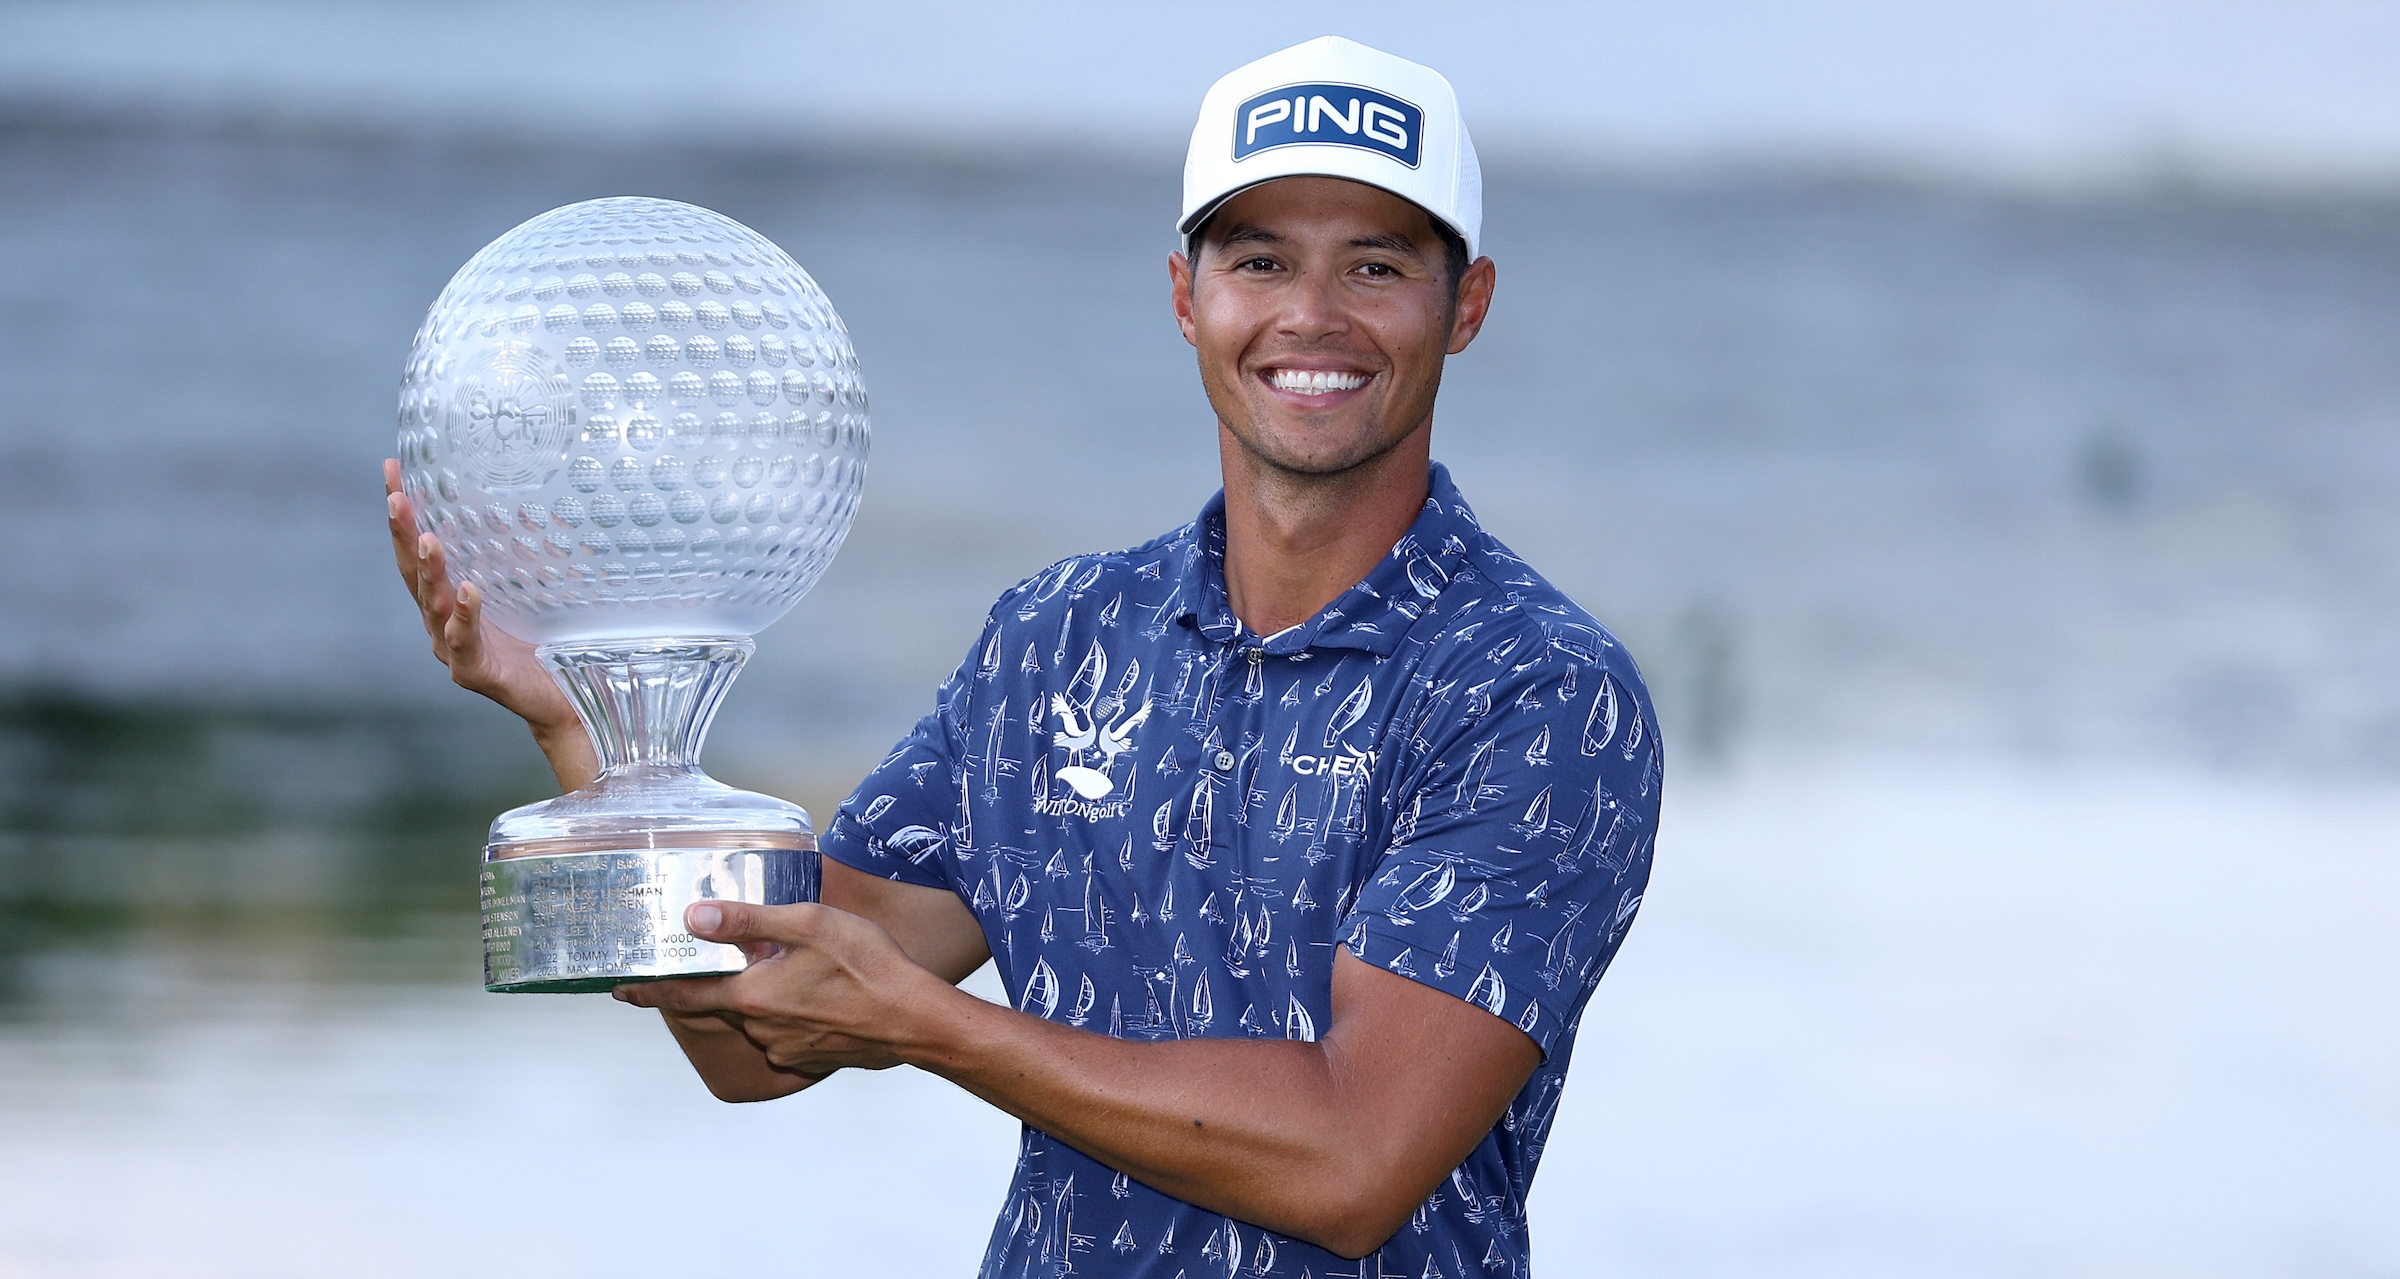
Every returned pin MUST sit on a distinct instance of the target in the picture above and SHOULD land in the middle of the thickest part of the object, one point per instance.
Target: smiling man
(1300, 835)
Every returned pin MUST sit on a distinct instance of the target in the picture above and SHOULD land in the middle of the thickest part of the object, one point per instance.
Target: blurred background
(1981, 417)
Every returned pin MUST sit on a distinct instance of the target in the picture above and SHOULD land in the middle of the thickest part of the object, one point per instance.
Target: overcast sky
(2302, 91)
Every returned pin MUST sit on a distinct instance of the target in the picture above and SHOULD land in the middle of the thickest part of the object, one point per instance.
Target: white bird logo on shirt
(1079, 734)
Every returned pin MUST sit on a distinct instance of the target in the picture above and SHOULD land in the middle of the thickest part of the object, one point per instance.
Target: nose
(1312, 306)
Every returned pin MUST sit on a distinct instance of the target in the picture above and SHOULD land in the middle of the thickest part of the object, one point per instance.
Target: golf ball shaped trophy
(638, 428)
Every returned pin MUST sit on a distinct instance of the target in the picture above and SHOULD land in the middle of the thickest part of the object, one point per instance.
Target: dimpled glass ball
(631, 418)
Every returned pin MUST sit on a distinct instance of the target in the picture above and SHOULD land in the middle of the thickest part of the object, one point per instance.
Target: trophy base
(586, 919)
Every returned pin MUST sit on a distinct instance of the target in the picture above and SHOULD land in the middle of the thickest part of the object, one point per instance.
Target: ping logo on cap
(1343, 115)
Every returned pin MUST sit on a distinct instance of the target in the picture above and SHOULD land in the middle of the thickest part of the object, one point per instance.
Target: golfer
(1300, 835)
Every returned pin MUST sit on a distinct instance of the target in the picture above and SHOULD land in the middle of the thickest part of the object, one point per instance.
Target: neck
(1294, 542)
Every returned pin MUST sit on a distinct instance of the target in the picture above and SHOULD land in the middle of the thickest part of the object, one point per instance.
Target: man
(1300, 835)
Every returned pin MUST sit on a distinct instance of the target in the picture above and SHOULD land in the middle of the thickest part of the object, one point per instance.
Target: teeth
(1316, 381)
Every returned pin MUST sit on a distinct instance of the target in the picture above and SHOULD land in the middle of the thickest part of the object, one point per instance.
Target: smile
(1315, 381)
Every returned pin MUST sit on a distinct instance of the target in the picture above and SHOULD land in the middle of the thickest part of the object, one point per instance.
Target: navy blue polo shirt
(1166, 824)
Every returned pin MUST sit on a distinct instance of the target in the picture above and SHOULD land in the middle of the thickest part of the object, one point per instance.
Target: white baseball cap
(1335, 108)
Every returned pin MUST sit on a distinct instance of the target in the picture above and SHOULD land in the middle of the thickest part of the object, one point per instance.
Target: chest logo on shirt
(1094, 728)
(1079, 733)
(1083, 735)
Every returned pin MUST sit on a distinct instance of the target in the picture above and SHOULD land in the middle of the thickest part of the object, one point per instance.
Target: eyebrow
(1391, 242)
(1246, 233)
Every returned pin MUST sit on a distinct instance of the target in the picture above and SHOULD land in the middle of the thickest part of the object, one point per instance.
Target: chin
(1318, 460)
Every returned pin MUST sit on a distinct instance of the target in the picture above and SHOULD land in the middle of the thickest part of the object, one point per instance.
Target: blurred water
(1903, 465)
(1893, 1020)
(2085, 500)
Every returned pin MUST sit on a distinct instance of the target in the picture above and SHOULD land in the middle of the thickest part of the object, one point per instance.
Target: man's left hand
(825, 989)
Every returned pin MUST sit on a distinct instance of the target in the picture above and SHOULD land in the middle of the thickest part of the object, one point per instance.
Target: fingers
(450, 618)
(744, 925)
(400, 515)
(419, 558)
(686, 995)
(433, 566)
(453, 617)
(432, 587)
(462, 630)
(418, 555)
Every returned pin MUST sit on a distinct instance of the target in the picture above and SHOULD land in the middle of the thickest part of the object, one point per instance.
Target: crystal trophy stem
(647, 704)
(588, 890)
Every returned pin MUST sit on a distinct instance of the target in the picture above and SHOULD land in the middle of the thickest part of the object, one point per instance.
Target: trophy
(638, 427)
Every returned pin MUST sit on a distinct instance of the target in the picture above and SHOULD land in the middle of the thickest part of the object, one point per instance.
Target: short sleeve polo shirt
(1165, 825)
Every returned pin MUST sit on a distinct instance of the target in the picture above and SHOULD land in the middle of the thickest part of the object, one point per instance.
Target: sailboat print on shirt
(1402, 782)
(1297, 1024)
(1066, 628)
(1198, 834)
(997, 763)
(1490, 991)
(1083, 688)
(1600, 725)
(1287, 815)
(1347, 715)
(1095, 915)
(1041, 990)
(987, 666)
(1428, 889)
(1536, 820)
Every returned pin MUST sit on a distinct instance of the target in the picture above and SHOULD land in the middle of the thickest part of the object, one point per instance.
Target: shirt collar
(1372, 615)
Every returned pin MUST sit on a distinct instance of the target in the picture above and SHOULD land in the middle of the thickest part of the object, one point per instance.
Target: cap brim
(1193, 220)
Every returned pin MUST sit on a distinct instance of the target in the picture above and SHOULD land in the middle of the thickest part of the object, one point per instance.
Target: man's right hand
(484, 658)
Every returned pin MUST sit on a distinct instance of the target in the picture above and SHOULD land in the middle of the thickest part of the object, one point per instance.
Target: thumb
(739, 922)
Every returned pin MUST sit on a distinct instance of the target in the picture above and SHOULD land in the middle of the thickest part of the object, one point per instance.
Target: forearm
(732, 1067)
(1270, 1132)
(1334, 1142)
(568, 748)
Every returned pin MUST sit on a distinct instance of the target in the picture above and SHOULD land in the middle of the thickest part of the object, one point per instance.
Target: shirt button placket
(1241, 726)
(1221, 764)
(1225, 760)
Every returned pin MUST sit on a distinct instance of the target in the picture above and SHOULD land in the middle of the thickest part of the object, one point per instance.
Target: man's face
(1321, 310)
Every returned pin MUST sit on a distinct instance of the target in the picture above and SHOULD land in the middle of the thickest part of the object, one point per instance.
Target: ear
(1474, 303)
(1179, 282)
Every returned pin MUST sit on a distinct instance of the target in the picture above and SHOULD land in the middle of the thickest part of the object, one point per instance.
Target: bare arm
(1334, 1142)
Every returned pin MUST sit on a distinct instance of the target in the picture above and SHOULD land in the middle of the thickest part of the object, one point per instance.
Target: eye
(1257, 264)
(1379, 271)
